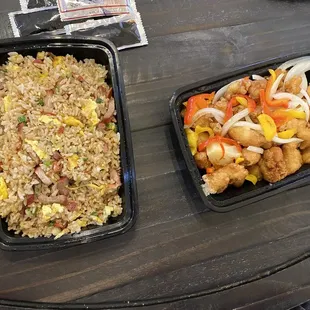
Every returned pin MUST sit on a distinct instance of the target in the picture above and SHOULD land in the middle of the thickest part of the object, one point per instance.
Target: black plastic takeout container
(104, 52)
(232, 198)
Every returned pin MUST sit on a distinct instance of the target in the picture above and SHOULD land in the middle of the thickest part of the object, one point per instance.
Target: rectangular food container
(104, 52)
(232, 198)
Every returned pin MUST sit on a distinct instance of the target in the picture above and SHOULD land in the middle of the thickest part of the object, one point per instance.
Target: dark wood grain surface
(179, 254)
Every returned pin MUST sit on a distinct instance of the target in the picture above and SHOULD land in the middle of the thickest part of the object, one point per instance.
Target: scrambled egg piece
(37, 150)
(47, 119)
(72, 121)
(7, 101)
(81, 223)
(89, 110)
(41, 55)
(44, 75)
(3, 189)
(48, 211)
(12, 67)
(58, 60)
(73, 161)
(101, 188)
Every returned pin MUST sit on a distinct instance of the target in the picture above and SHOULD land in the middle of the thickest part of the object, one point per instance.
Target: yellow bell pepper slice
(200, 129)
(242, 101)
(294, 113)
(251, 178)
(273, 74)
(287, 134)
(239, 160)
(268, 125)
(192, 138)
(3, 189)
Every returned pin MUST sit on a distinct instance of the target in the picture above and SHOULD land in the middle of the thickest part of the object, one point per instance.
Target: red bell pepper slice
(196, 103)
(278, 117)
(229, 109)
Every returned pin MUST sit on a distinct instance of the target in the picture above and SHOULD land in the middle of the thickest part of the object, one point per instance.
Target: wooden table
(179, 254)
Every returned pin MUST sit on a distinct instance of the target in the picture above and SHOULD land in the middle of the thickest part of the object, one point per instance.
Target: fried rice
(59, 157)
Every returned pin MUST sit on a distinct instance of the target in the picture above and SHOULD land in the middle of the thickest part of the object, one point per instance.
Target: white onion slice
(256, 77)
(284, 141)
(304, 82)
(248, 119)
(298, 69)
(294, 100)
(248, 124)
(221, 92)
(305, 94)
(217, 114)
(237, 117)
(255, 149)
(293, 62)
(275, 85)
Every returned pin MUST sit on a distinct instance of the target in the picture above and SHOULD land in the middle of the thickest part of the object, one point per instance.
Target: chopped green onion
(22, 119)
(85, 159)
(51, 223)
(28, 212)
(112, 126)
(99, 100)
(41, 102)
(47, 163)
(94, 214)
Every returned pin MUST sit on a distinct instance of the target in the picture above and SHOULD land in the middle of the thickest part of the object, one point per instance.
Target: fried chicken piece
(255, 170)
(292, 157)
(246, 136)
(216, 127)
(267, 145)
(255, 87)
(255, 113)
(272, 165)
(306, 156)
(304, 145)
(293, 85)
(203, 121)
(221, 104)
(250, 158)
(231, 174)
(303, 129)
(202, 160)
(238, 87)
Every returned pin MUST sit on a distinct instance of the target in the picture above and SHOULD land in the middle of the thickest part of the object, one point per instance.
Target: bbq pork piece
(292, 157)
(247, 137)
(219, 180)
(272, 165)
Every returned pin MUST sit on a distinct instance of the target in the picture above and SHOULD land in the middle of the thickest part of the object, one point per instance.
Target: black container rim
(126, 148)
(295, 180)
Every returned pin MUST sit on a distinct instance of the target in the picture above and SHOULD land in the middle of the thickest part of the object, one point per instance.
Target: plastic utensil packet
(36, 21)
(79, 9)
(125, 31)
(36, 4)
